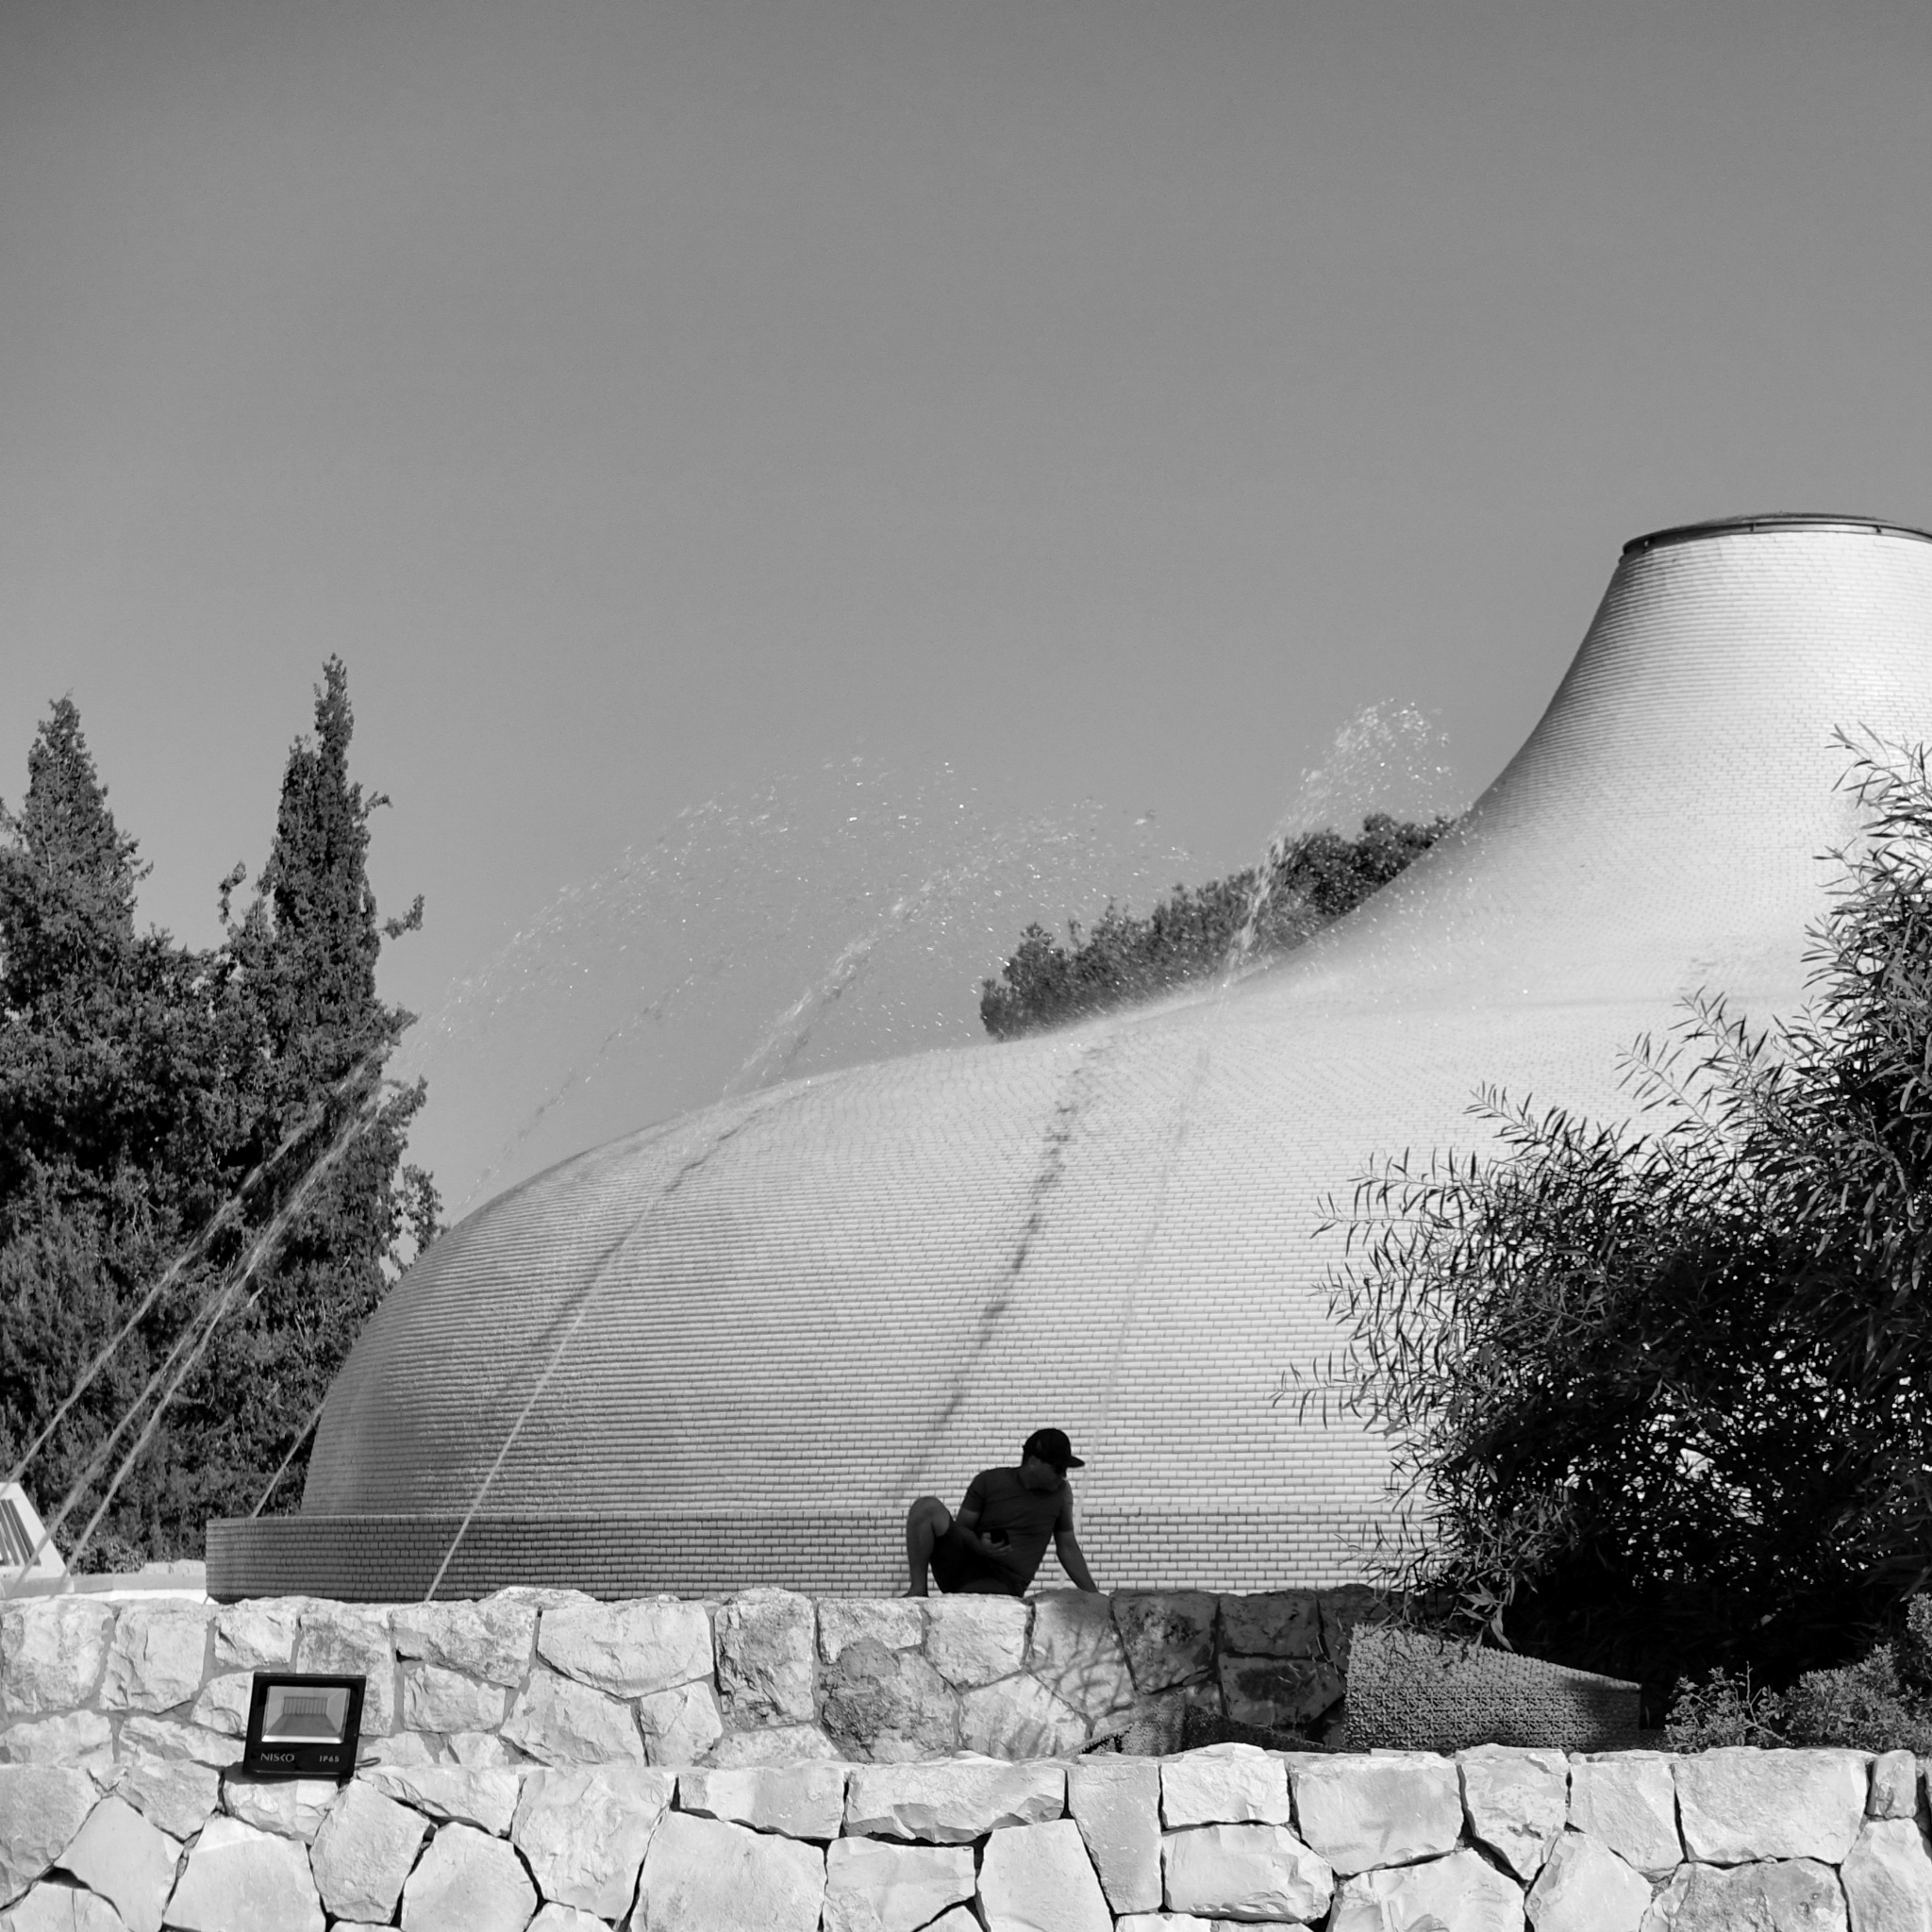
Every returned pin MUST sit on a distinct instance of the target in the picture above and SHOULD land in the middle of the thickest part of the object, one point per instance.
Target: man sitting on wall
(994, 1544)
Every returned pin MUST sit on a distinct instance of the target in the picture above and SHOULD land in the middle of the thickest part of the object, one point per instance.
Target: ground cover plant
(1662, 1392)
(1883, 1702)
(160, 1105)
(1197, 931)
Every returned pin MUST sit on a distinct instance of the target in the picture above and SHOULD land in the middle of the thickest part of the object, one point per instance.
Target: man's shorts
(959, 1569)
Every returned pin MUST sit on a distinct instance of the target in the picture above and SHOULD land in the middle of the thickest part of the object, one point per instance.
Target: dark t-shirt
(1022, 1520)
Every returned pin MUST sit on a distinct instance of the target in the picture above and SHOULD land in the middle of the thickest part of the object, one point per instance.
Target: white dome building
(731, 1348)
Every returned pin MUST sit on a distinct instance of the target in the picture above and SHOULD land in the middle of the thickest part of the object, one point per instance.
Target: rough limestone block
(1344, 1611)
(480, 1751)
(953, 1803)
(1628, 1799)
(160, 1737)
(795, 1800)
(960, 1919)
(1019, 1717)
(159, 1655)
(1244, 1872)
(1888, 1879)
(242, 1880)
(680, 1726)
(1039, 1878)
(258, 1634)
(363, 1852)
(351, 1638)
(450, 1793)
(76, 1738)
(53, 1654)
(1895, 1792)
(583, 1832)
(1459, 1893)
(1362, 1812)
(1280, 1693)
(173, 1794)
(52, 1907)
(491, 1640)
(627, 1649)
(780, 1745)
(435, 1699)
(701, 1873)
(888, 1706)
(468, 1881)
(1282, 1623)
(292, 1808)
(556, 1721)
(1517, 1801)
(765, 1643)
(1076, 1652)
(1583, 1886)
(895, 1623)
(1740, 1802)
(975, 1639)
(222, 1704)
(1224, 1783)
(1168, 1637)
(118, 1854)
(407, 1748)
(1785, 1895)
(874, 1886)
(555, 1918)
(41, 1807)
(1116, 1803)
(1170, 1922)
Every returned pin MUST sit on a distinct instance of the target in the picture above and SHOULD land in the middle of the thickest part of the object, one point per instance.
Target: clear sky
(1041, 402)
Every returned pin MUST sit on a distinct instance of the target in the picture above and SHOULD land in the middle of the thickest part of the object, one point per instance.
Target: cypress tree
(306, 1016)
(140, 1083)
(88, 1095)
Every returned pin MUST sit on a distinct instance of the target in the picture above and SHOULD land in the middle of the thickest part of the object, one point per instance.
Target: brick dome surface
(761, 1329)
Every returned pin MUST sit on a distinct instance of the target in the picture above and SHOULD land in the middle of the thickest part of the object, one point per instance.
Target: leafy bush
(1663, 1400)
(1196, 931)
(1881, 1703)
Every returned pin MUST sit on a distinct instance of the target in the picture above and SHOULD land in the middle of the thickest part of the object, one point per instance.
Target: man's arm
(966, 1520)
(1067, 1548)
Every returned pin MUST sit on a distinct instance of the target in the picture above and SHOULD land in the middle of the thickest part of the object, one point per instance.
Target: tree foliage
(1663, 1399)
(162, 1109)
(1195, 931)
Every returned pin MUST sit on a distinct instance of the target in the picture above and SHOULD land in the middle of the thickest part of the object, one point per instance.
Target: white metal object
(27, 1552)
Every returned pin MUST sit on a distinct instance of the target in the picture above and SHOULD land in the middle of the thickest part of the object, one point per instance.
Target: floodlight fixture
(303, 1726)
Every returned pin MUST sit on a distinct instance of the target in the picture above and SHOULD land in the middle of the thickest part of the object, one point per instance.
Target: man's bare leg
(926, 1521)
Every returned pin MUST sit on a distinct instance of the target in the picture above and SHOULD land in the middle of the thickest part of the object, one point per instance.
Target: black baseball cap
(1051, 1445)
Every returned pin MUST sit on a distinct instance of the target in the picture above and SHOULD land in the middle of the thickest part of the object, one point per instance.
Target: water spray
(192, 1342)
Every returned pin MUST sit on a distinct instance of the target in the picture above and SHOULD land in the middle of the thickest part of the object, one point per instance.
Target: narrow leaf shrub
(1662, 1393)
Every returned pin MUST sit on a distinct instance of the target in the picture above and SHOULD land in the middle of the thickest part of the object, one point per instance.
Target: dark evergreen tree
(315, 1037)
(158, 1102)
(91, 1036)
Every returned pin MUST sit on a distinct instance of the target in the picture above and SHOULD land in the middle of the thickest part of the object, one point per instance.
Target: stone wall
(543, 1760)
(1490, 1840)
(555, 1677)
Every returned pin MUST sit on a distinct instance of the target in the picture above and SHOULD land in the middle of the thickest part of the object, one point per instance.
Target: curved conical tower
(731, 1349)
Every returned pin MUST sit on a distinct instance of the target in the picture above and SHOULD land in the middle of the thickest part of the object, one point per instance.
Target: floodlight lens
(305, 1713)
